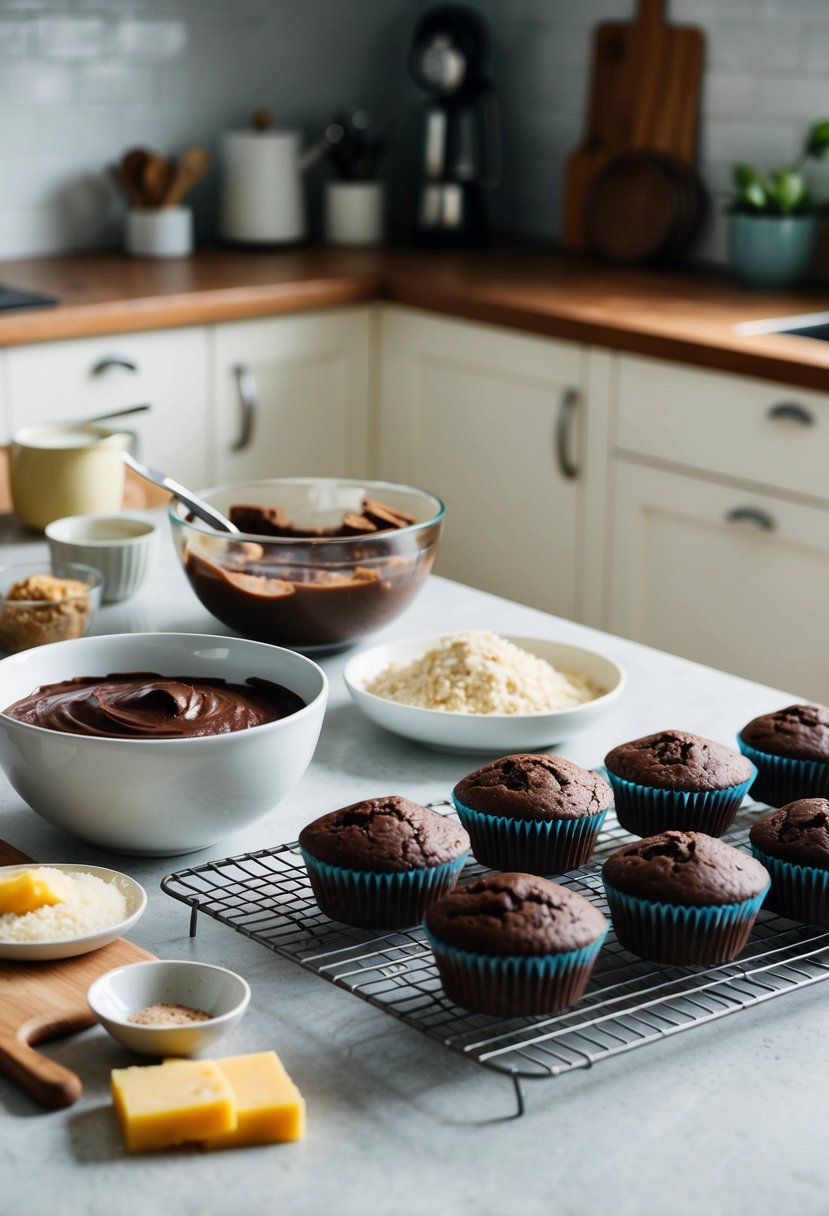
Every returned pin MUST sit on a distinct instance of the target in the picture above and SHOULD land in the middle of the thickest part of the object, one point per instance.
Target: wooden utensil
(644, 94)
(132, 173)
(40, 1001)
(157, 176)
(190, 169)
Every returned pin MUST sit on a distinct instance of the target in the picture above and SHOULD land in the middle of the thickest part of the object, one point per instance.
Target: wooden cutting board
(40, 1001)
(644, 93)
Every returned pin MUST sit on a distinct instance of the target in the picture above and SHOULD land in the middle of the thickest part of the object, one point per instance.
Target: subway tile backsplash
(82, 80)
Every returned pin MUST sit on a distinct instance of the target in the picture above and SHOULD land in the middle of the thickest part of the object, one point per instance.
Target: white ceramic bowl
(122, 547)
(497, 734)
(119, 993)
(157, 797)
(136, 899)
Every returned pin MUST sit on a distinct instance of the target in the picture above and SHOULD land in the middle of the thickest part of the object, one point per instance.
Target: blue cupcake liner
(781, 780)
(646, 810)
(531, 846)
(798, 892)
(514, 985)
(373, 899)
(682, 933)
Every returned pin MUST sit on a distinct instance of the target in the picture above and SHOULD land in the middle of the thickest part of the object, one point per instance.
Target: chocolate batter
(140, 705)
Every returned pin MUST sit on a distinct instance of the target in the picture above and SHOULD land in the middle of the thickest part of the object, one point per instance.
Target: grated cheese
(477, 672)
(88, 905)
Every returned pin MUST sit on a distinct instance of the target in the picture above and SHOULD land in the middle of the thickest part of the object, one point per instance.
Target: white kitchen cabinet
(54, 381)
(489, 420)
(704, 562)
(291, 396)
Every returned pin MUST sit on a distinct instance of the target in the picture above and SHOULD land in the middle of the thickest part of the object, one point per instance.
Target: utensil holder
(159, 232)
(354, 213)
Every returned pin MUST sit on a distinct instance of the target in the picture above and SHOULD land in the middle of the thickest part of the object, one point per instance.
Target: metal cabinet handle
(791, 411)
(751, 515)
(566, 410)
(110, 361)
(246, 384)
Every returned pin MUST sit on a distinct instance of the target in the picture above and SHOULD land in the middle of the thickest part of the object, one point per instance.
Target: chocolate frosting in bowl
(147, 705)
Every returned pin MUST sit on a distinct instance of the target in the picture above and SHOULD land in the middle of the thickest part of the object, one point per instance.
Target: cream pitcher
(56, 471)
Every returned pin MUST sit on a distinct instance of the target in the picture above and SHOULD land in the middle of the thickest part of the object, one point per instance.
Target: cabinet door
(52, 381)
(734, 580)
(475, 414)
(291, 396)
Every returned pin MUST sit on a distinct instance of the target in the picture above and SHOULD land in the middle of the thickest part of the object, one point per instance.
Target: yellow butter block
(161, 1105)
(27, 890)
(269, 1106)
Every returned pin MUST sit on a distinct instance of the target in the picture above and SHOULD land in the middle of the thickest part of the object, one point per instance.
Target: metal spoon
(69, 423)
(197, 505)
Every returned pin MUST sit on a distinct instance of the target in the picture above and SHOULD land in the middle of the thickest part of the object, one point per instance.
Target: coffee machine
(460, 142)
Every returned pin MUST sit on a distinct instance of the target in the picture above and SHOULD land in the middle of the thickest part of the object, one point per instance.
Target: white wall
(766, 79)
(83, 80)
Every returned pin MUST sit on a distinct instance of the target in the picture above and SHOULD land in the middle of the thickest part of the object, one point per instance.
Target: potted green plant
(772, 222)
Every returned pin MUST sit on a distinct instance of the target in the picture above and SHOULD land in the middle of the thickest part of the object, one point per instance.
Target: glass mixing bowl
(309, 592)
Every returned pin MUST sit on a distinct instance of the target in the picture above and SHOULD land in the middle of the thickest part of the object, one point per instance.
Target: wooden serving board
(644, 93)
(40, 1001)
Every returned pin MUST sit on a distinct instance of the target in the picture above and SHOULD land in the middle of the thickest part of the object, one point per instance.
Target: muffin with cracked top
(790, 748)
(674, 780)
(683, 897)
(379, 863)
(793, 844)
(534, 813)
(513, 945)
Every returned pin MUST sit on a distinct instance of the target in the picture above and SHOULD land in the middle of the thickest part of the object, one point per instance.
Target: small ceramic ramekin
(122, 547)
(118, 994)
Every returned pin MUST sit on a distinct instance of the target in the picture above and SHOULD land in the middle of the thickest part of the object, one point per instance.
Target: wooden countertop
(688, 316)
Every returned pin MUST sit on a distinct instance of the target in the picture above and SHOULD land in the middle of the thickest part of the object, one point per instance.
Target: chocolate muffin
(513, 945)
(379, 863)
(790, 748)
(683, 897)
(793, 844)
(674, 780)
(534, 813)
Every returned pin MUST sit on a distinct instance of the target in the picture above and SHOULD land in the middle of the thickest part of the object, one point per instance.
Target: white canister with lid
(262, 197)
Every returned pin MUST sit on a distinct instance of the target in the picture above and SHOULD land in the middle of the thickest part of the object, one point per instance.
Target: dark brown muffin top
(798, 832)
(685, 868)
(677, 760)
(386, 834)
(798, 731)
(515, 914)
(527, 786)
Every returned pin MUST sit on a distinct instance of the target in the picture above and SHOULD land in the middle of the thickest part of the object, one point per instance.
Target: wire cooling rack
(629, 1002)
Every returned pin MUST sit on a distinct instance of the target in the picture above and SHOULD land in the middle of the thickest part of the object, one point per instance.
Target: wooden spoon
(132, 169)
(156, 178)
(191, 168)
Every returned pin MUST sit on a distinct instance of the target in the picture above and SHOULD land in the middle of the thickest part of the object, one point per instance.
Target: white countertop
(727, 1118)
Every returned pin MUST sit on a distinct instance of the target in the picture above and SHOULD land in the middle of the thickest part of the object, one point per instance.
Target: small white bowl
(132, 891)
(492, 733)
(122, 547)
(119, 993)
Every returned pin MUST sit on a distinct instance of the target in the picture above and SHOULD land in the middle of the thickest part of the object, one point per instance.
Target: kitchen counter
(726, 1118)
(688, 316)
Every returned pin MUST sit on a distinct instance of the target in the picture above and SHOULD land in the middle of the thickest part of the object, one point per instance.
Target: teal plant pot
(771, 250)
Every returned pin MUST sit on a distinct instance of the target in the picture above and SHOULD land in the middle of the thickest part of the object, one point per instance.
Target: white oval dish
(132, 891)
(119, 993)
(493, 733)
